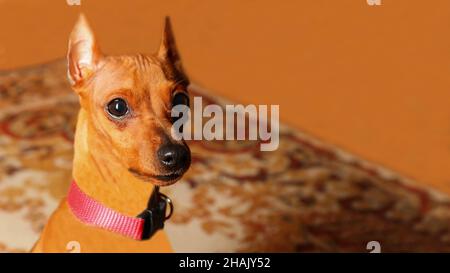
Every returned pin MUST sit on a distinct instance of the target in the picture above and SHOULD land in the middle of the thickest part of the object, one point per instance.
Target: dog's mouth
(159, 179)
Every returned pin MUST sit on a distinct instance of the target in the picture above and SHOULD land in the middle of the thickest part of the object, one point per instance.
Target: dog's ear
(83, 54)
(168, 51)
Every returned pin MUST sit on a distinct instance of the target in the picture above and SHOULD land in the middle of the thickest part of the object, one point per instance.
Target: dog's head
(128, 102)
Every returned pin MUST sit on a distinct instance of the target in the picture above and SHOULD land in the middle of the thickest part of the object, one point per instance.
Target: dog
(124, 149)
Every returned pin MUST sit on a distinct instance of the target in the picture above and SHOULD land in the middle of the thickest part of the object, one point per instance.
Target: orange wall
(373, 80)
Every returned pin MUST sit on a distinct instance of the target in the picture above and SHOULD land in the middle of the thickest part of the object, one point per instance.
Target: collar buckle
(155, 214)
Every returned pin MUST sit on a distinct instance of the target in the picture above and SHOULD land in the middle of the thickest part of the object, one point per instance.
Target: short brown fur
(114, 160)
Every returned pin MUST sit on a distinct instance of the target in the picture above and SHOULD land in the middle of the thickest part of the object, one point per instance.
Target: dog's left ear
(168, 51)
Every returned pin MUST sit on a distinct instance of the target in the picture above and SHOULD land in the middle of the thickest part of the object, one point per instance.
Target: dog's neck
(101, 175)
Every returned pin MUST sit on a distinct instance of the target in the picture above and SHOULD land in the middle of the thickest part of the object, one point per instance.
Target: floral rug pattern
(303, 197)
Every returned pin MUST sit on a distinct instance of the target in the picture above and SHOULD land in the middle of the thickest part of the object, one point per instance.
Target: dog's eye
(180, 99)
(117, 108)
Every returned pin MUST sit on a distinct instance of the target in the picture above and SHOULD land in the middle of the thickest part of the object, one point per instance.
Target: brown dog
(123, 142)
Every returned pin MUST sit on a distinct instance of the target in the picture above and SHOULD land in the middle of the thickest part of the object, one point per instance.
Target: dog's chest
(65, 233)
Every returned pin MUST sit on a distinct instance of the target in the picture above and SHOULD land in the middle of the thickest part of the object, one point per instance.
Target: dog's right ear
(84, 54)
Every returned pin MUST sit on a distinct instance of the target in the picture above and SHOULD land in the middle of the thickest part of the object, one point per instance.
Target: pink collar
(142, 227)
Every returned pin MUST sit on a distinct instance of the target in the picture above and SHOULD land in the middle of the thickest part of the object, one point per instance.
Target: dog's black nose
(174, 157)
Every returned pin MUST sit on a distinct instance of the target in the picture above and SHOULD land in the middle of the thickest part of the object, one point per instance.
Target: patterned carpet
(304, 196)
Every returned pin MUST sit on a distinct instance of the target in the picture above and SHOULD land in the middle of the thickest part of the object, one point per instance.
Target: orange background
(373, 80)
